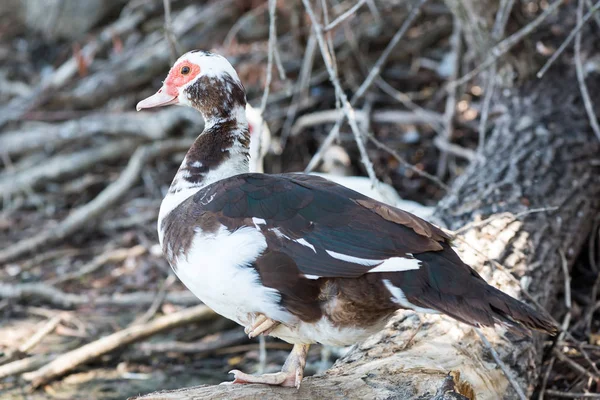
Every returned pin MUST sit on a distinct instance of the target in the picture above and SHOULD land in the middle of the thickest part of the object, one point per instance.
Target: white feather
(305, 244)
(259, 221)
(400, 298)
(309, 276)
(397, 264)
(217, 270)
(393, 264)
(356, 260)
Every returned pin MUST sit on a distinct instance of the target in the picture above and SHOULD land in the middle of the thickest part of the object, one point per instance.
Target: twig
(596, 16)
(376, 69)
(152, 126)
(249, 347)
(279, 64)
(206, 345)
(104, 258)
(158, 300)
(568, 304)
(565, 324)
(173, 47)
(42, 293)
(408, 165)
(514, 217)
(594, 265)
(301, 88)
(373, 74)
(504, 46)
(344, 16)
(436, 123)
(546, 377)
(374, 11)
(490, 85)
(330, 48)
(573, 365)
(567, 395)
(454, 149)
(54, 168)
(269, 78)
(381, 117)
(46, 329)
(450, 108)
(502, 366)
(580, 24)
(27, 364)
(262, 355)
(70, 360)
(346, 106)
(502, 16)
(34, 340)
(134, 220)
(585, 95)
(82, 215)
(243, 20)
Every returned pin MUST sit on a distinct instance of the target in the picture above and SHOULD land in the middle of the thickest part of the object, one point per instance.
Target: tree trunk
(541, 154)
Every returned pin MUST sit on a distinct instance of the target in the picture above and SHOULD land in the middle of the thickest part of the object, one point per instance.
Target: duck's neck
(221, 151)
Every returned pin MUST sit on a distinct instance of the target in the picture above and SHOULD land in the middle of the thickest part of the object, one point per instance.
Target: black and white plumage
(297, 256)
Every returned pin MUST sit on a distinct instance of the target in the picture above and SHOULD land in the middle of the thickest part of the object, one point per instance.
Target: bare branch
(402, 161)
(373, 73)
(56, 167)
(104, 258)
(502, 366)
(301, 88)
(504, 46)
(70, 360)
(344, 16)
(346, 106)
(173, 46)
(569, 395)
(580, 24)
(585, 95)
(81, 216)
(381, 117)
(269, 78)
(43, 293)
(450, 109)
(26, 364)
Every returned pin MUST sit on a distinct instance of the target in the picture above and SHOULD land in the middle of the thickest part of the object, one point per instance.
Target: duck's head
(203, 80)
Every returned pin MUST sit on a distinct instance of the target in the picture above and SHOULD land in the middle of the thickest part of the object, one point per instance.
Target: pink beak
(158, 99)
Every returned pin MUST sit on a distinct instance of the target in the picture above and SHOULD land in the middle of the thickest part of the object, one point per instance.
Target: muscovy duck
(297, 256)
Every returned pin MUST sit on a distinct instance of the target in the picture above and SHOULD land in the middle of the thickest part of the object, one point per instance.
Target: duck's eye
(185, 70)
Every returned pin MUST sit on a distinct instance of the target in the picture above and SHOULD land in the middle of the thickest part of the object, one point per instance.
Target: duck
(299, 257)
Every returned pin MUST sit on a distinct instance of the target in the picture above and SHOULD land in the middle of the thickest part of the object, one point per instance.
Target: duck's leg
(262, 324)
(291, 374)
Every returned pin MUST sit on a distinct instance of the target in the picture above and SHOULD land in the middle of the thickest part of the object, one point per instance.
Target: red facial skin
(176, 78)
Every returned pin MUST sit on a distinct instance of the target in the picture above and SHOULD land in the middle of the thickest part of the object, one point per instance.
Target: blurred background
(82, 174)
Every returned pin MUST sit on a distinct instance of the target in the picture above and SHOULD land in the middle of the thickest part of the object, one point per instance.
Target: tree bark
(541, 154)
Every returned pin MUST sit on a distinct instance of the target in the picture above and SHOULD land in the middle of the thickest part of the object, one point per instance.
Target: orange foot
(290, 376)
(262, 324)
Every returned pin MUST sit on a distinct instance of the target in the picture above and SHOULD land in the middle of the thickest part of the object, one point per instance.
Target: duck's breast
(218, 269)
